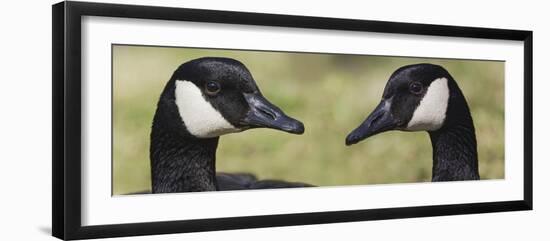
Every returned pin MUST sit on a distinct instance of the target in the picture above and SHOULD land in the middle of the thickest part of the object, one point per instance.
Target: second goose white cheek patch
(200, 117)
(430, 113)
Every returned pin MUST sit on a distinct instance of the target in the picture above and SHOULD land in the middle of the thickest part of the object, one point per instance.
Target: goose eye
(212, 88)
(415, 88)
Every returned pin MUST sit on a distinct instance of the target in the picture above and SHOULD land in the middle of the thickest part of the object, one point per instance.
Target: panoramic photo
(192, 119)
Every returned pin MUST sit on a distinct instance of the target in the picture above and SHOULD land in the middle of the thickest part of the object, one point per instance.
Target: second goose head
(425, 97)
(416, 98)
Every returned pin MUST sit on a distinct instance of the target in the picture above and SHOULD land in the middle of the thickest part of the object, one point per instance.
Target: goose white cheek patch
(199, 116)
(430, 113)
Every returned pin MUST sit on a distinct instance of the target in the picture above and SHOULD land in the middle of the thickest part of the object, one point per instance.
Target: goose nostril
(375, 119)
(267, 113)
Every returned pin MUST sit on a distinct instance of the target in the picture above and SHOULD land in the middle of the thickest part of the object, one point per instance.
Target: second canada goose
(425, 97)
(204, 99)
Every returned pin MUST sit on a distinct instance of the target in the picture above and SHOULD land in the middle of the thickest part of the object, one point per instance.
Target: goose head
(416, 98)
(210, 97)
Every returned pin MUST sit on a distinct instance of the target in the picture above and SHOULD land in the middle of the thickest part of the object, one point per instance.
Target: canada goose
(204, 99)
(425, 97)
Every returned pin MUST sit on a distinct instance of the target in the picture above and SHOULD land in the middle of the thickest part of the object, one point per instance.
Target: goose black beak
(264, 114)
(380, 120)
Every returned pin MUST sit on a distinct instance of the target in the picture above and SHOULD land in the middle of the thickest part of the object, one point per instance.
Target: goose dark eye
(415, 88)
(212, 87)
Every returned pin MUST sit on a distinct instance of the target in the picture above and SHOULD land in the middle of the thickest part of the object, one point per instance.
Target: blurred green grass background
(331, 94)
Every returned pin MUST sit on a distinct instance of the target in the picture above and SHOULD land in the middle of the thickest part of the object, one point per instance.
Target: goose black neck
(179, 161)
(454, 145)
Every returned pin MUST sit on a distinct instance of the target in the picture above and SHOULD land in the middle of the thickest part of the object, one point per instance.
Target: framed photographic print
(170, 120)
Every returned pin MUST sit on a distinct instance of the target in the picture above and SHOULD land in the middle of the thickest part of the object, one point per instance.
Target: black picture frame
(67, 134)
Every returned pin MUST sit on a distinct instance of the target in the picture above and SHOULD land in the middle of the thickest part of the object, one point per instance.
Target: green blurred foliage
(331, 94)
